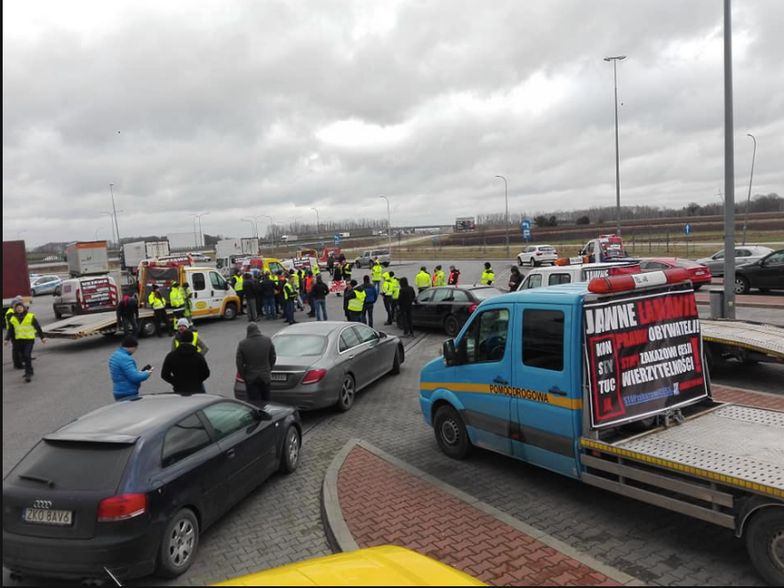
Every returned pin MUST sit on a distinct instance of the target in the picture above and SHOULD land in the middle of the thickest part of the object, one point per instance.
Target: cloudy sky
(259, 107)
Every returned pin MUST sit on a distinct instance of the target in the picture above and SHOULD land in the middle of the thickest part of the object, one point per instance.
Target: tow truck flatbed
(85, 325)
(743, 339)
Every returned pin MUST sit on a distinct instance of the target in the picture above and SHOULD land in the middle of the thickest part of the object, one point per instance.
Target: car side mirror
(263, 414)
(382, 335)
(450, 354)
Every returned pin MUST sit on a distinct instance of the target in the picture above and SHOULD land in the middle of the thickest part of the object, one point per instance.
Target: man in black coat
(255, 360)
(185, 368)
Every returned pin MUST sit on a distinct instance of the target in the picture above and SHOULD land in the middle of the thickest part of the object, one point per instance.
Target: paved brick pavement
(383, 504)
(748, 397)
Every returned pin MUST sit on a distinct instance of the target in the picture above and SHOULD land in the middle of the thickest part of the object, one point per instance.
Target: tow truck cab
(575, 269)
(604, 248)
(211, 294)
(605, 382)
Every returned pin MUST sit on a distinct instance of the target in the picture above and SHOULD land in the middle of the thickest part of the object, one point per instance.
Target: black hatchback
(126, 489)
(448, 307)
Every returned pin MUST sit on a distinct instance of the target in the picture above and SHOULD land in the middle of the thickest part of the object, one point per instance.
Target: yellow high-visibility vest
(488, 277)
(239, 283)
(194, 342)
(177, 297)
(422, 279)
(23, 329)
(358, 303)
(395, 288)
(375, 271)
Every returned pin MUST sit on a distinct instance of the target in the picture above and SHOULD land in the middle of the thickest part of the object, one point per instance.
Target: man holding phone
(126, 378)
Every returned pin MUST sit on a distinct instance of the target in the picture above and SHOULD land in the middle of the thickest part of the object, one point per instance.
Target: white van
(566, 274)
(85, 295)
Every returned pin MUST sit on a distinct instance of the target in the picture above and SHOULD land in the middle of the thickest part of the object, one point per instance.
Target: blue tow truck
(606, 382)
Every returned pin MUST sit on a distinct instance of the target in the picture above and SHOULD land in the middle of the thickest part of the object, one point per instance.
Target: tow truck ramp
(746, 341)
(86, 325)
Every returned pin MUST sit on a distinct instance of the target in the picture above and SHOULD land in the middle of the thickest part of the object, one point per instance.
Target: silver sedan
(326, 363)
(743, 255)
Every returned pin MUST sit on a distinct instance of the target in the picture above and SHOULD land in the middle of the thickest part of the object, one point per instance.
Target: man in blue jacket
(126, 378)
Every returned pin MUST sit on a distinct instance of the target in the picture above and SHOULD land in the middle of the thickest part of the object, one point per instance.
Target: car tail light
(238, 378)
(313, 376)
(472, 308)
(122, 507)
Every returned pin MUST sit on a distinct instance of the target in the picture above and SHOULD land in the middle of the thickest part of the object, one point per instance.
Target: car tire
(535, 263)
(230, 312)
(519, 262)
(147, 328)
(764, 540)
(741, 285)
(179, 543)
(451, 326)
(396, 362)
(58, 315)
(347, 393)
(289, 458)
(451, 433)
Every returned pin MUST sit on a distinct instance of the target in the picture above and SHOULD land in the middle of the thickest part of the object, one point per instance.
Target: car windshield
(485, 293)
(310, 345)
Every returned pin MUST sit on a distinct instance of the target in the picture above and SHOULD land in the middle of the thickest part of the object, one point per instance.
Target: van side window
(198, 281)
(556, 279)
(534, 281)
(486, 338)
(543, 339)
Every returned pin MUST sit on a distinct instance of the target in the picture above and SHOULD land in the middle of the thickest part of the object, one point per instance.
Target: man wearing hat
(158, 304)
(185, 368)
(18, 361)
(185, 331)
(126, 377)
(22, 329)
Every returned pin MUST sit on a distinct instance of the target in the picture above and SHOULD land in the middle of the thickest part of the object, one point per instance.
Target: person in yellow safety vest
(158, 304)
(186, 289)
(422, 279)
(488, 276)
(22, 328)
(294, 280)
(184, 325)
(395, 295)
(346, 269)
(356, 302)
(176, 301)
(376, 274)
(386, 292)
(17, 358)
(239, 287)
(439, 277)
(288, 301)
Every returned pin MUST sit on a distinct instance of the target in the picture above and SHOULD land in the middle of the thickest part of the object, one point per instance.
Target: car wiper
(46, 481)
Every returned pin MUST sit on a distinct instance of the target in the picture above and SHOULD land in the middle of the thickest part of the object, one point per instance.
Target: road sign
(337, 239)
(525, 229)
(687, 228)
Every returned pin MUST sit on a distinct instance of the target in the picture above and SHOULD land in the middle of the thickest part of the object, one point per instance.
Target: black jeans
(162, 323)
(252, 308)
(130, 325)
(26, 354)
(405, 320)
(258, 391)
(16, 354)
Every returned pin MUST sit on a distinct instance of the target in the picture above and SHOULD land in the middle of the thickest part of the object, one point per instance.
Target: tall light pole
(201, 235)
(506, 209)
(751, 177)
(389, 225)
(270, 228)
(615, 60)
(116, 226)
(313, 208)
(111, 222)
(253, 229)
(729, 172)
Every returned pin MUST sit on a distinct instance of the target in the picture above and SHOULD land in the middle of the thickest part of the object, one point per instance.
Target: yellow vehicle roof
(387, 565)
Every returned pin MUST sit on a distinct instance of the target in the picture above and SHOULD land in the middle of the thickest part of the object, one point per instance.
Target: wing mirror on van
(450, 354)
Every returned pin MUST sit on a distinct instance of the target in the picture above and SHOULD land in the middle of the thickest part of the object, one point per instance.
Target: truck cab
(212, 296)
(604, 248)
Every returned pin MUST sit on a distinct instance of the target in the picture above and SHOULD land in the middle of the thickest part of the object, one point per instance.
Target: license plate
(278, 377)
(45, 516)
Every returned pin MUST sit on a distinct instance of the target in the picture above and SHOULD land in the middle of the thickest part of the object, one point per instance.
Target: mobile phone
(147, 367)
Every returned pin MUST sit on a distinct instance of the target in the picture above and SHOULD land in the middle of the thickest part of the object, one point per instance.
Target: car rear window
(300, 344)
(547, 249)
(76, 465)
(485, 293)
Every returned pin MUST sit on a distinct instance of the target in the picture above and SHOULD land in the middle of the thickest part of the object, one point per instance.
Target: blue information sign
(337, 239)
(525, 229)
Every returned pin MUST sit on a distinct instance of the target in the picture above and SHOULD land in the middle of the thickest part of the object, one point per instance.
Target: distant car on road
(131, 486)
(537, 255)
(765, 274)
(366, 259)
(326, 363)
(448, 307)
(743, 255)
(44, 284)
(699, 274)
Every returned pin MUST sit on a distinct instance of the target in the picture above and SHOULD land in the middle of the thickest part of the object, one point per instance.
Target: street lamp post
(389, 225)
(201, 235)
(615, 60)
(751, 177)
(270, 228)
(317, 218)
(253, 229)
(111, 223)
(506, 211)
(116, 226)
(728, 310)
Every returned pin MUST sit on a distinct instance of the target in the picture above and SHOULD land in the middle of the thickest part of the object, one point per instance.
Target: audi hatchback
(127, 489)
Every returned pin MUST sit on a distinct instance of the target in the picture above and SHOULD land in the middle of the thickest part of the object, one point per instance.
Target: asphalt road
(72, 378)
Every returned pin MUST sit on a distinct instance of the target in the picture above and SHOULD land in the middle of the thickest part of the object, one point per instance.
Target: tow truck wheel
(451, 433)
(147, 328)
(230, 312)
(765, 544)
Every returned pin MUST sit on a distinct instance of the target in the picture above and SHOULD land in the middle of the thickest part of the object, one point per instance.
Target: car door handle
(557, 390)
(230, 453)
(500, 380)
(351, 356)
